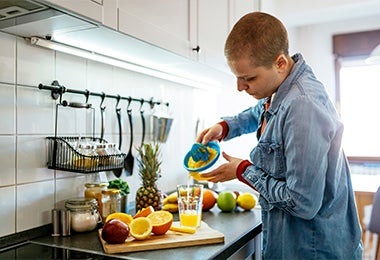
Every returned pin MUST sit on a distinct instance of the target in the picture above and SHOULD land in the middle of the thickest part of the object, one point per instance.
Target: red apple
(237, 194)
(115, 231)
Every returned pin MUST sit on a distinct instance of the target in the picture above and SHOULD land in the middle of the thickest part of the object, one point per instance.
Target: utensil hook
(103, 96)
(129, 102)
(141, 104)
(118, 97)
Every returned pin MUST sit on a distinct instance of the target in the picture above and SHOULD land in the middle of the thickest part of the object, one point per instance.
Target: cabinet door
(213, 27)
(215, 20)
(164, 23)
(92, 9)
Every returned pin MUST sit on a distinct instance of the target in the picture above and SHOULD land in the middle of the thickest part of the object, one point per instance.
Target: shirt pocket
(269, 157)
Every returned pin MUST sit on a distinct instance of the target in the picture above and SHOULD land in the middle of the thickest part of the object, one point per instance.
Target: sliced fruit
(190, 230)
(140, 228)
(246, 201)
(161, 221)
(126, 218)
(144, 212)
(197, 176)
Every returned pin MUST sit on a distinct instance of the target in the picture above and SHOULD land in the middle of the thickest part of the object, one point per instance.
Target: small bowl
(213, 145)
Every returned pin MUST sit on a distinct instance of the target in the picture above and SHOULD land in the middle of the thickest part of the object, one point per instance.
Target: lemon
(246, 201)
(140, 228)
(126, 218)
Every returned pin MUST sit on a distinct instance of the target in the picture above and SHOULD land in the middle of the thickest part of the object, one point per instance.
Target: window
(360, 108)
(358, 94)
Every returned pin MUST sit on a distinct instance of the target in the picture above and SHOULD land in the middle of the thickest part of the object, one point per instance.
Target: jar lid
(94, 185)
(80, 203)
(100, 146)
(111, 191)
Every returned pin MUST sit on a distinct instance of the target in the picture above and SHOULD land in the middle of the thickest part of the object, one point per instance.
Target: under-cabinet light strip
(374, 57)
(49, 44)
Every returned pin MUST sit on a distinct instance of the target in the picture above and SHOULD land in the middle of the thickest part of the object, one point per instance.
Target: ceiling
(296, 13)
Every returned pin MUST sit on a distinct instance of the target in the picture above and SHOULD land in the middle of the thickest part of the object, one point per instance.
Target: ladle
(129, 160)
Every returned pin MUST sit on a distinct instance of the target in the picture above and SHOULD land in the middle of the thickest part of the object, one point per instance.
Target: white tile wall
(7, 61)
(7, 160)
(34, 203)
(8, 210)
(7, 109)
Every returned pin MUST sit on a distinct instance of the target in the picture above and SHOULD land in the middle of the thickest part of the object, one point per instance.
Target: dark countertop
(238, 227)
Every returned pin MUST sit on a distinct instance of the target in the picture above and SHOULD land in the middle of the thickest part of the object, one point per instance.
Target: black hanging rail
(57, 90)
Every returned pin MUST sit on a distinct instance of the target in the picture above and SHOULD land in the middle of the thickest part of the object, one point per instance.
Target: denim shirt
(301, 172)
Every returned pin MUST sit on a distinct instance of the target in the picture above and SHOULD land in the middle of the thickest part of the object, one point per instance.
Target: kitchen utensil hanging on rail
(142, 122)
(162, 122)
(129, 160)
(102, 116)
(118, 172)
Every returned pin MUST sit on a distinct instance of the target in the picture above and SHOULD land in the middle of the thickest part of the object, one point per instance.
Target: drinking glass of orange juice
(190, 204)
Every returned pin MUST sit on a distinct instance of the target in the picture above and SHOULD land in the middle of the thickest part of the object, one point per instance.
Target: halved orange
(126, 218)
(144, 212)
(161, 221)
(140, 228)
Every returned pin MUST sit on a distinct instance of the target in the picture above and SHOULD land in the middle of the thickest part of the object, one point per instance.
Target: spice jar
(84, 214)
(87, 157)
(111, 202)
(94, 191)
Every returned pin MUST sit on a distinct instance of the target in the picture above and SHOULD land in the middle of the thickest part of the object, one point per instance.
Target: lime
(226, 201)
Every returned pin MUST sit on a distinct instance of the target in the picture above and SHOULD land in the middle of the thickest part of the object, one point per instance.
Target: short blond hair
(260, 36)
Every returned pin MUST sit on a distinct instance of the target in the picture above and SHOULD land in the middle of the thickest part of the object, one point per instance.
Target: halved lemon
(140, 228)
(126, 218)
(161, 221)
(144, 212)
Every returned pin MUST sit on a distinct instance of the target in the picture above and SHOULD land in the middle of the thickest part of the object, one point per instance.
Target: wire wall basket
(83, 154)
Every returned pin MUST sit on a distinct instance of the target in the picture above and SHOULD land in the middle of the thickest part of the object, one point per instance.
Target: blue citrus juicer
(200, 152)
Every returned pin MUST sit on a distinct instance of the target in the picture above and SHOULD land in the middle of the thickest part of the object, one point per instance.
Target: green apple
(226, 201)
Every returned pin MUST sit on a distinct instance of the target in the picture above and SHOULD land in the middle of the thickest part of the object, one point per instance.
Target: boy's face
(259, 82)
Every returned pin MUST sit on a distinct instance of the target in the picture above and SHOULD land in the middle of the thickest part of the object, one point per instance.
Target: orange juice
(190, 218)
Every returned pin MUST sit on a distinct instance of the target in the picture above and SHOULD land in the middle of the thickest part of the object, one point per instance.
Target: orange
(209, 199)
(161, 221)
(144, 212)
(140, 228)
(126, 218)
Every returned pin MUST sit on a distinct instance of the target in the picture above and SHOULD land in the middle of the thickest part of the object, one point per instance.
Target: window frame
(357, 45)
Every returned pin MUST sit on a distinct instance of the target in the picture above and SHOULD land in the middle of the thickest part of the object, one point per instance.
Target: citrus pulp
(161, 221)
(140, 228)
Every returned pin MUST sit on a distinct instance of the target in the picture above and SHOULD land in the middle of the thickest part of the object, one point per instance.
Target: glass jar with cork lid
(84, 214)
(111, 202)
(94, 191)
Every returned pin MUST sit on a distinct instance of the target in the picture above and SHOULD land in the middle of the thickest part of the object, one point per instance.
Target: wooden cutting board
(204, 235)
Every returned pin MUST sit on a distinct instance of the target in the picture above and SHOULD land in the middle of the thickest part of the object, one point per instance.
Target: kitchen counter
(241, 229)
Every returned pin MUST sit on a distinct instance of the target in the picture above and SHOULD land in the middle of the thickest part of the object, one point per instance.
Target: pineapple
(149, 170)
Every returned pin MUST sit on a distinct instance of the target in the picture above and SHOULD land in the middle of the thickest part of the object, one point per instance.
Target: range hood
(30, 19)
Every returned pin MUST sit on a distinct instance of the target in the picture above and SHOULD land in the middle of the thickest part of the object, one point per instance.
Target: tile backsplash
(29, 190)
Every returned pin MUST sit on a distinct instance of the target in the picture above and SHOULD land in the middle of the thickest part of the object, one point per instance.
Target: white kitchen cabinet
(182, 26)
(215, 20)
(92, 9)
(164, 23)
